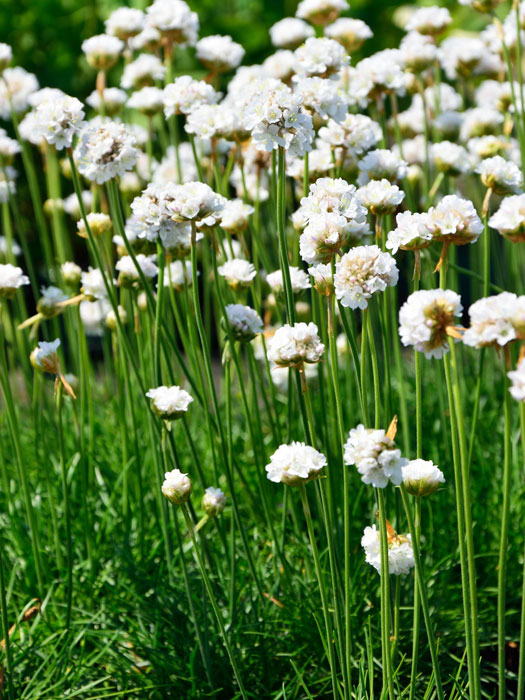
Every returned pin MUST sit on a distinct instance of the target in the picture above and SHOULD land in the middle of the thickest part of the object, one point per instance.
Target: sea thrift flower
(336, 196)
(429, 20)
(175, 20)
(112, 99)
(400, 552)
(427, 318)
(380, 197)
(418, 52)
(125, 22)
(219, 53)
(6, 56)
(102, 51)
(323, 281)
(98, 223)
(322, 57)
(237, 273)
(361, 273)
(411, 232)
(143, 71)
(111, 318)
(292, 346)
(92, 285)
(170, 402)
(350, 33)
(450, 158)
(106, 149)
(322, 98)
(500, 175)
(11, 279)
(355, 135)
(245, 322)
(71, 273)
(147, 100)
(295, 464)
(59, 120)
(176, 486)
(213, 502)
(299, 280)
(49, 303)
(128, 273)
(185, 94)
(323, 236)
(383, 72)
(45, 358)
(235, 215)
(509, 220)
(321, 11)
(422, 477)
(16, 88)
(381, 164)
(517, 378)
(290, 32)
(375, 456)
(213, 122)
(177, 274)
(496, 321)
(454, 220)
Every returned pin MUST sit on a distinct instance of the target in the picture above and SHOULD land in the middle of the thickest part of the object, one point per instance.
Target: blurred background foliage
(46, 34)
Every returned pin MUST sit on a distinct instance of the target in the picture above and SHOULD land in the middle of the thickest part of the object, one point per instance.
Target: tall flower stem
(521, 666)
(213, 601)
(504, 533)
(388, 672)
(283, 246)
(67, 507)
(5, 626)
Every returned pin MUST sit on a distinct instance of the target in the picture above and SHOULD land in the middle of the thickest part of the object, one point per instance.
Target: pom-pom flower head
(245, 322)
(213, 502)
(400, 552)
(361, 273)
(292, 346)
(422, 477)
(11, 279)
(517, 379)
(295, 464)
(427, 319)
(170, 402)
(176, 487)
(375, 456)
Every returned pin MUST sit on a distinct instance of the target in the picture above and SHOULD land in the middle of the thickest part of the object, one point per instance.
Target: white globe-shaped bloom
(298, 277)
(411, 232)
(400, 552)
(213, 501)
(213, 121)
(219, 53)
(106, 149)
(323, 237)
(238, 272)
(185, 94)
(509, 219)
(375, 456)
(128, 272)
(321, 11)
(454, 220)
(176, 486)
(422, 477)
(323, 281)
(292, 346)
(112, 99)
(178, 274)
(48, 304)
(93, 315)
(384, 73)
(92, 284)
(6, 55)
(502, 176)
(450, 158)
(350, 33)
(235, 215)
(356, 134)
(45, 358)
(429, 20)
(245, 323)
(295, 464)
(16, 88)
(425, 318)
(517, 379)
(71, 272)
(322, 97)
(149, 39)
(169, 402)
(148, 100)
(290, 32)
(125, 22)
(102, 50)
(361, 273)
(460, 56)
(496, 320)
(322, 57)
(175, 20)
(381, 164)
(8, 147)
(11, 279)
(7, 247)
(145, 70)
(480, 121)
(380, 196)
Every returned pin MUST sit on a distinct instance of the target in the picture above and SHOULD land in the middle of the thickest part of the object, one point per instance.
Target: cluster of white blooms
(98, 223)
(429, 20)
(290, 32)
(125, 22)
(517, 378)
(213, 501)
(8, 147)
(400, 552)
(321, 11)
(350, 33)
(71, 273)
(383, 72)
(6, 55)
(45, 358)
(219, 53)
(48, 304)
(381, 164)
(361, 273)
(16, 88)
(148, 100)
(245, 323)
(11, 278)
(418, 52)
(454, 220)
(105, 149)
(169, 402)
(177, 274)
(292, 346)
(237, 272)
(102, 51)
(295, 464)
(322, 98)
(509, 220)
(335, 196)
(129, 269)
(356, 134)
(212, 122)
(380, 196)
(422, 477)
(144, 70)
(323, 236)
(450, 158)
(425, 319)
(298, 277)
(322, 57)
(502, 176)
(176, 486)
(92, 284)
(185, 94)
(375, 456)
(496, 320)
(411, 232)
(235, 215)
(275, 118)
(112, 99)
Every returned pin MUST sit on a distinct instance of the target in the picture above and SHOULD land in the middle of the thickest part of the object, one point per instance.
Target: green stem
(388, 672)
(67, 507)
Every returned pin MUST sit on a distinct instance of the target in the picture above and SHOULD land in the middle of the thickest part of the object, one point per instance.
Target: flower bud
(213, 502)
(98, 223)
(44, 357)
(71, 273)
(111, 318)
(176, 487)
(422, 477)
(48, 304)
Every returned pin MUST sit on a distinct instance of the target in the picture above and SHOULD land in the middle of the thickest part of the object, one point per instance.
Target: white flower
(219, 53)
(6, 56)
(454, 220)
(280, 65)
(321, 11)
(375, 456)
(8, 147)
(418, 51)
(502, 176)
(329, 195)
(322, 277)
(425, 317)
(148, 100)
(237, 273)
(105, 150)
(322, 97)
(149, 39)
(422, 477)
(361, 273)
(113, 99)
(125, 22)
(144, 70)
(381, 164)
(323, 237)
(16, 88)
(170, 402)
(496, 320)
(509, 220)
(299, 280)
(480, 121)
(45, 357)
(245, 323)
(380, 196)
(177, 274)
(450, 158)
(175, 20)
(350, 33)
(102, 51)
(235, 215)
(92, 284)
(429, 20)
(322, 57)
(185, 94)
(384, 71)
(98, 223)
(411, 232)
(400, 552)
(517, 378)
(212, 122)
(9, 247)
(356, 134)
(128, 270)
(93, 315)
(291, 346)
(295, 464)
(48, 304)
(290, 32)
(461, 55)
(176, 486)
(213, 501)
(11, 279)
(71, 272)
(71, 205)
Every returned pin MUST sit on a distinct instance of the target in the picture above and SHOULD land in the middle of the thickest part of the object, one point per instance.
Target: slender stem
(388, 673)
(67, 507)
(521, 667)
(283, 247)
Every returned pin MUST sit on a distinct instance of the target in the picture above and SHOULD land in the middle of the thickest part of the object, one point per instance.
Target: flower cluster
(375, 456)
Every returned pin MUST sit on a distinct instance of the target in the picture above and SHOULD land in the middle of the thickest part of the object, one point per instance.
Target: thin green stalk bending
(67, 507)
